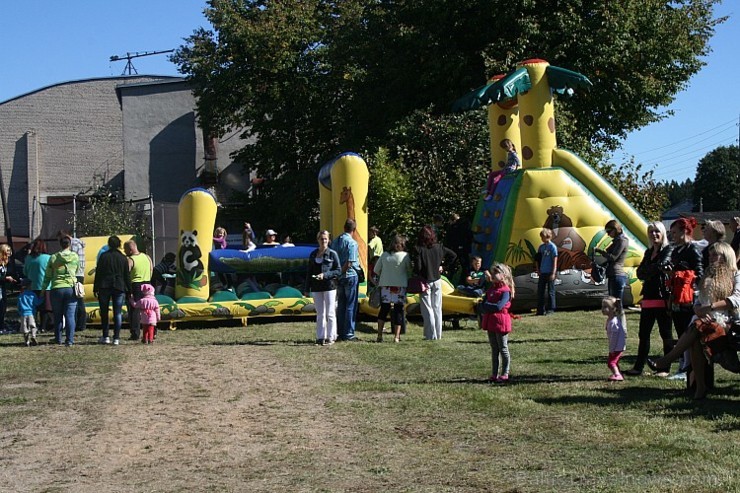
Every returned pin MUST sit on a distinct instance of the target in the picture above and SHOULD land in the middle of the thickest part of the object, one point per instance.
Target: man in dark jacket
(112, 283)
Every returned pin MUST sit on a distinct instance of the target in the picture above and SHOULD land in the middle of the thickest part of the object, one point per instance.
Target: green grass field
(420, 414)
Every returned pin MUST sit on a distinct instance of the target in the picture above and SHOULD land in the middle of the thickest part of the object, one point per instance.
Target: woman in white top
(394, 268)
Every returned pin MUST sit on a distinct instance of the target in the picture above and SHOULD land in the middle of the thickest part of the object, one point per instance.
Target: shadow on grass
(720, 403)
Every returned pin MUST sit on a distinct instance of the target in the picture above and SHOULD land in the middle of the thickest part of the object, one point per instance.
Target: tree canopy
(312, 78)
(717, 182)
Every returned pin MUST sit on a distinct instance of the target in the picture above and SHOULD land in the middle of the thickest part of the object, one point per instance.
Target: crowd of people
(52, 288)
(687, 287)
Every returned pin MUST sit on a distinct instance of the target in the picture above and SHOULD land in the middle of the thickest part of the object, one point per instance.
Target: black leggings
(648, 317)
(682, 319)
(396, 315)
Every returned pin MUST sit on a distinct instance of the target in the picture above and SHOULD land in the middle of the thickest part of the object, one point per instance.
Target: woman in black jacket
(428, 257)
(687, 269)
(112, 284)
(652, 273)
(322, 279)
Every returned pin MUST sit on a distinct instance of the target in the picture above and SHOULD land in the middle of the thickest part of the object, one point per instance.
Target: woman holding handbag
(322, 277)
(60, 276)
(394, 268)
(686, 270)
(429, 258)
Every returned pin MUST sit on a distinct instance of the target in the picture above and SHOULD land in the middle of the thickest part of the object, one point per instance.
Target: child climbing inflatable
(512, 163)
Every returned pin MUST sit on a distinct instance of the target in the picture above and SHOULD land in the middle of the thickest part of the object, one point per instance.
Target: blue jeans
(544, 306)
(615, 286)
(64, 306)
(105, 296)
(346, 307)
(133, 314)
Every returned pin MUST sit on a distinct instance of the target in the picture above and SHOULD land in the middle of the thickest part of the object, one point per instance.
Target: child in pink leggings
(149, 313)
(616, 333)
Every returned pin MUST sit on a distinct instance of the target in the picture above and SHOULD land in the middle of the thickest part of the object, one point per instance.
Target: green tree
(308, 79)
(679, 192)
(446, 158)
(103, 215)
(391, 198)
(717, 182)
(639, 187)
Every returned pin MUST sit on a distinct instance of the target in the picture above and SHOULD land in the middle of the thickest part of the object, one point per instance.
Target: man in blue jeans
(546, 265)
(346, 248)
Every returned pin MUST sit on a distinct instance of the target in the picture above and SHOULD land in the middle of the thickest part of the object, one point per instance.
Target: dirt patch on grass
(179, 418)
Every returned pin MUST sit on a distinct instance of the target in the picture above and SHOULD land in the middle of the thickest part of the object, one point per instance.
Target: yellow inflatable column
(537, 116)
(197, 214)
(349, 185)
(325, 208)
(503, 123)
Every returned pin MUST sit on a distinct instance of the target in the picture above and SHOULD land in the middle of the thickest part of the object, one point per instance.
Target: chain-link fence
(156, 223)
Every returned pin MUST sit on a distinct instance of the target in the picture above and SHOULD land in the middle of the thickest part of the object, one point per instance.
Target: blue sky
(45, 42)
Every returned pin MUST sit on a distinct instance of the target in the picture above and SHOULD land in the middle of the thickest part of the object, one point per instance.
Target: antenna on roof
(130, 69)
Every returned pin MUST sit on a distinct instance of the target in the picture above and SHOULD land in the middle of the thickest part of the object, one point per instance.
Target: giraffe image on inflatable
(348, 199)
(554, 189)
(343, 183)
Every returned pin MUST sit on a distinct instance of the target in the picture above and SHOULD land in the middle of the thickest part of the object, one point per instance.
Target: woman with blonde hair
(715, 309)
(713, 231)
(5, 253)
(652, 273)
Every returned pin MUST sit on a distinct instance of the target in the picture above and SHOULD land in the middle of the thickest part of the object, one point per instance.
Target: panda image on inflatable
(189, 257)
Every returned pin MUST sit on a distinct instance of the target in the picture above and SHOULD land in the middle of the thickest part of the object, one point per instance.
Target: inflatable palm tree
(554, 189)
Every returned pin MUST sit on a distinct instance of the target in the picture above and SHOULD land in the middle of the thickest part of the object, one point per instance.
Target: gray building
(136, 134)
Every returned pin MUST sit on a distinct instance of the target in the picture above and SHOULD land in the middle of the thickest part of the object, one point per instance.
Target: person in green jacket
(60, 278)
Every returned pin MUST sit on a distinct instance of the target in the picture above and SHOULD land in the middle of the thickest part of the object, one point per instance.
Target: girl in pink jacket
(149, 313)
(497, 320)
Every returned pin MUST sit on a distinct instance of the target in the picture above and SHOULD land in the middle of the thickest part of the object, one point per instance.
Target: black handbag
(598, 271)
(360, 274)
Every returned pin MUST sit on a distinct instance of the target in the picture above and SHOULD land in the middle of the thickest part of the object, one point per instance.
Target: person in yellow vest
(140, 270)
(375, 245)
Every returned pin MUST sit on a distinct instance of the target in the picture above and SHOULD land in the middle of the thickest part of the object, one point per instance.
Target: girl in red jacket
(497, 321)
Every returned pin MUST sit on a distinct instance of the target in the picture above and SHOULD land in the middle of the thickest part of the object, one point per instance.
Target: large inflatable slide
(554, 189)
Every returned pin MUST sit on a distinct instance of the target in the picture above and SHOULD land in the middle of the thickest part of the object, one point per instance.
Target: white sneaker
(105, 340)
(116, 342)
(678, 376)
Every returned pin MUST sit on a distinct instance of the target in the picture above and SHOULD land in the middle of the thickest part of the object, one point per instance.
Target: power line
(690, 150)
(690, 162)
(728, 124)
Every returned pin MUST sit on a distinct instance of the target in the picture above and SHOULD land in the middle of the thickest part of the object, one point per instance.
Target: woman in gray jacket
(615, 255)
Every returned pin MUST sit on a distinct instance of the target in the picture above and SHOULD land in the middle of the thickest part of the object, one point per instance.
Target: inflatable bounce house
(553, 189)
(343, 187)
